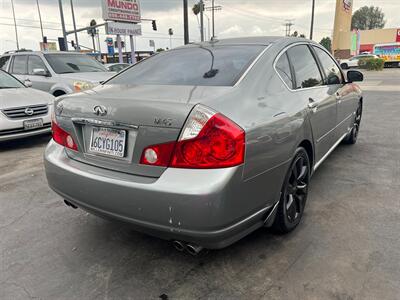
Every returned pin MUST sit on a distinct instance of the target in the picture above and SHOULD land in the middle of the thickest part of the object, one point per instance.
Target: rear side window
(202, 66)
(3, 62)
(305, 67)
(332, 71)
(283, 68)
(19, 64)
(35, 62)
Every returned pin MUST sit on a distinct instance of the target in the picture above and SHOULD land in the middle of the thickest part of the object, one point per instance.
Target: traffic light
(154, 24)
(73, 44)
(45, 40)
(122, 44)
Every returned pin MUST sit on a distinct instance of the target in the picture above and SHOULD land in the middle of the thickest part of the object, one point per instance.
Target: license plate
(108, 141)
(32, 124)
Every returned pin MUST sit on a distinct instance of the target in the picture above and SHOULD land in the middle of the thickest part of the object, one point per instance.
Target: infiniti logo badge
(100, 110)
(29, 111)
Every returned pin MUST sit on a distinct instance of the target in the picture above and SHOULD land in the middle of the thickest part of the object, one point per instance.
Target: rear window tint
(19, 64)
(305, 67)
(3, 62)
(283, 68)
(203, 66)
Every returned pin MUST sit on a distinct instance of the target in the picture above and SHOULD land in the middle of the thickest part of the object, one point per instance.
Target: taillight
(208, 140)
(62, 137)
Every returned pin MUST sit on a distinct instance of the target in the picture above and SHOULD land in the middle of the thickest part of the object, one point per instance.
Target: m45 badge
(167, 122)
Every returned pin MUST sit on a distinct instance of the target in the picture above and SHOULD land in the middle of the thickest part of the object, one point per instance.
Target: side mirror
(28, 83)
(40, 72)
(354, 76)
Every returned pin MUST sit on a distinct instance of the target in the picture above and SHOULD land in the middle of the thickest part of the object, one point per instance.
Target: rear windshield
(74, 63)
(203, 66)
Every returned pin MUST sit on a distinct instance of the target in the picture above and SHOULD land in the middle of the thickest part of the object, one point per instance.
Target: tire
(59, 93)
(344, 66)
(352, 137)
(293, 194)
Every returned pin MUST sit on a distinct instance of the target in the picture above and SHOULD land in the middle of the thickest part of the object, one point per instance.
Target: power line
(288, 25)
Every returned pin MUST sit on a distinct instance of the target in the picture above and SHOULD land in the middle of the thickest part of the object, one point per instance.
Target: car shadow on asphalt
(25, 143)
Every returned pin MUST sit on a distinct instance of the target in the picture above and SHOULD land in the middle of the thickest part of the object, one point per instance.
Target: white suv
(57, 73)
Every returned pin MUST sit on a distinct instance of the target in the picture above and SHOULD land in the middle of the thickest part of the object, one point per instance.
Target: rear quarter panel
(275, 122)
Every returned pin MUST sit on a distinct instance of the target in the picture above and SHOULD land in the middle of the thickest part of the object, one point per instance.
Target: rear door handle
(312, 104)
(338, 97)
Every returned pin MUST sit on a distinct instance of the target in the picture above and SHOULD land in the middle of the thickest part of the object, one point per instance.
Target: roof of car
(256, 40)
(40, 52)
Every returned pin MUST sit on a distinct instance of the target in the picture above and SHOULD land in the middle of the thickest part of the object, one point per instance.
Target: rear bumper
(205, 207)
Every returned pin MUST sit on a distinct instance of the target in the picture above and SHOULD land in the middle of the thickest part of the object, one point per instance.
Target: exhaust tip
(193, 249)
(67, 203)
(178, 245)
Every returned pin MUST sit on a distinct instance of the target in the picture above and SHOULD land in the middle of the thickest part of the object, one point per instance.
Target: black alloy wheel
(294, 193)
(353, 135)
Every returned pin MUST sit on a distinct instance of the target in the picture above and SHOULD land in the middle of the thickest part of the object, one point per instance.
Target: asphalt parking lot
(347, 246)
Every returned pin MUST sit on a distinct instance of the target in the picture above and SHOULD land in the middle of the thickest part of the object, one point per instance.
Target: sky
(237, 18)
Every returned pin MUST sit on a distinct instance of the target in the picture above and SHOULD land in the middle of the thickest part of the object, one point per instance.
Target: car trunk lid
(147, 115)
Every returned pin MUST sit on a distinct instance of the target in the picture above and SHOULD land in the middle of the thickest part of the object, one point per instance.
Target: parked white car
(23, 111)
(353, 61)
(57, 73)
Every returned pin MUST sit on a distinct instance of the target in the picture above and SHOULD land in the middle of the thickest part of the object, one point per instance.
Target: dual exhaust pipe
(190, 248)
(178, 245)
(67, 203)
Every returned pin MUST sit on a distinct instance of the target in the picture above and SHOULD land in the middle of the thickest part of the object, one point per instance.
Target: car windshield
(202, 66)
(74, 63)
(9, 82)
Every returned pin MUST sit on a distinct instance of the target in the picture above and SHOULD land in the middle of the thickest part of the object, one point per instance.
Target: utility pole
(201, 20)
(186, 21)
(40, 19)
(312, 19)
(170, 33)
(15, 24)
(63, 24)
(213, 8)
(74, 23)
(288, 26)
(213, 18)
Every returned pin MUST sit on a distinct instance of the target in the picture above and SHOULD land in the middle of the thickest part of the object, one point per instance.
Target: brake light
(62, 137)
(209, 140)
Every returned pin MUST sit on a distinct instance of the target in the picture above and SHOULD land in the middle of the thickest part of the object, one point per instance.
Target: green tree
(368, 18)
(160, 50)
(327, 43)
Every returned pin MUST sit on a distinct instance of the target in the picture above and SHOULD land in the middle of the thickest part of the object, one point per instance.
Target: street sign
(121, 10)
(115, 28)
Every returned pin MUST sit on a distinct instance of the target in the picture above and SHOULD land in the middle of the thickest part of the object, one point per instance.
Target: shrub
(371, 64)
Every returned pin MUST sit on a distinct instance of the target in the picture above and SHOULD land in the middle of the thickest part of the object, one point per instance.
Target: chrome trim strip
(334, 128)
(252, 65)
(108, 123)
(329, 152)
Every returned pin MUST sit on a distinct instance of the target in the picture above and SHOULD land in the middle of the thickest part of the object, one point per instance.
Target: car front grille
(26, 111)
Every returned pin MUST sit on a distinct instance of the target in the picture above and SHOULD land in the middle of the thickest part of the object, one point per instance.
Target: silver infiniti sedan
(24, 111)
(203, 144)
